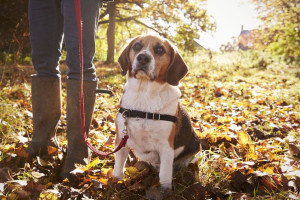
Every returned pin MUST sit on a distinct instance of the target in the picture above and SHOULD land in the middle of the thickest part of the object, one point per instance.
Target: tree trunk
(111, 32)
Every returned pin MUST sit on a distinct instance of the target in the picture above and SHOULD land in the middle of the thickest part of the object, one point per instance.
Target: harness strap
(147, 115)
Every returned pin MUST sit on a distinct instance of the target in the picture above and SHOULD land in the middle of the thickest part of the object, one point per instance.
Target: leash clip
(125, 130)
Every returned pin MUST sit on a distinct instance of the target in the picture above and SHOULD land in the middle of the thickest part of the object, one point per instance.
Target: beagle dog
(159, 129)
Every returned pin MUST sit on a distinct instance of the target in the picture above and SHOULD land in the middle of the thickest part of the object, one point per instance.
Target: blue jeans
(51, 22)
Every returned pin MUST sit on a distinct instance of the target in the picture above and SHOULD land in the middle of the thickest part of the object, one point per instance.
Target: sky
(229, 15)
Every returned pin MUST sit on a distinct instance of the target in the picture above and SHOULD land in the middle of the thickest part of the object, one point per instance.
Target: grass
(244, 106)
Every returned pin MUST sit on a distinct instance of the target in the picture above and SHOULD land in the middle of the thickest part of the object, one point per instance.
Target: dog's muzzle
(144, 65)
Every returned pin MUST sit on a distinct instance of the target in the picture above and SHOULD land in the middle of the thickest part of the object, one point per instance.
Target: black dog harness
(146, 115)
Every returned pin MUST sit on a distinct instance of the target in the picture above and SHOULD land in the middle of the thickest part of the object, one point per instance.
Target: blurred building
(246, 39)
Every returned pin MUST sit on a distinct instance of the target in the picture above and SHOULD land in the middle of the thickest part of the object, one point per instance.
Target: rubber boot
(46, 110)
(77, 151)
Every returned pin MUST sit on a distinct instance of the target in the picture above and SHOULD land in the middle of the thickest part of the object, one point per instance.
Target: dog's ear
(124, 60)
(177, 69)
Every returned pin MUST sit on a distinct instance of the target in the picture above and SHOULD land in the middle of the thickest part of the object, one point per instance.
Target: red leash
(124, 139)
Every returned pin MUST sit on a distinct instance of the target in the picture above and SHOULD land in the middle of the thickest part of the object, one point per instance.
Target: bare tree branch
(151, 28)
(119, 20)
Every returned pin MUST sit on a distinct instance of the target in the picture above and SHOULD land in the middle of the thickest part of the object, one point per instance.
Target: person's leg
(89, 17)
(77, 150)
(46, 31)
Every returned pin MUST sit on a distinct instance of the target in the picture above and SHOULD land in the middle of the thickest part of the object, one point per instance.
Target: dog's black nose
(143, 58)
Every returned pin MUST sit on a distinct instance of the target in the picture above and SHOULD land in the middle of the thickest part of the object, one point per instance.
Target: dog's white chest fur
(147, 137)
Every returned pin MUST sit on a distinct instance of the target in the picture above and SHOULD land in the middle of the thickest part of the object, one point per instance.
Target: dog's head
(153, 58)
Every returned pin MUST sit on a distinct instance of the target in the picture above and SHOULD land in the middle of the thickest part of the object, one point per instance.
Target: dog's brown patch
(172, 136)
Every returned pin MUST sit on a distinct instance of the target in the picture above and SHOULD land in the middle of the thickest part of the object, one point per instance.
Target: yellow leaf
(132, 171)
(251, 156)
(227, 137)
(269, 170)
(8, 147)
(245, 104)
(92, 164)
(251, 148)
(274, 157)
(103, 181)
(243, 138)
(48, 195)
(224, 119)
(107, 172)
(246, 113)
(250, 171)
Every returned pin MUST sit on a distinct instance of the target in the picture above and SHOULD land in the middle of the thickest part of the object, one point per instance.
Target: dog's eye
(137, 46)
(159, 50)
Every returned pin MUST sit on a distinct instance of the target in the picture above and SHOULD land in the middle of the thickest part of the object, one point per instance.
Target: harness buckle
(124, 114)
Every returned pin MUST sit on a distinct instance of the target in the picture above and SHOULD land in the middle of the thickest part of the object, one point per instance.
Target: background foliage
(180, 21)
(280, 33)
(14, 29)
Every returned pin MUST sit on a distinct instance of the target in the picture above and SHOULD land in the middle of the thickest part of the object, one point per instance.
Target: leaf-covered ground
(244, 107)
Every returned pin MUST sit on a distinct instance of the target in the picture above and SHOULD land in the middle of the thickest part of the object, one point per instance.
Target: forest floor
(245, 108)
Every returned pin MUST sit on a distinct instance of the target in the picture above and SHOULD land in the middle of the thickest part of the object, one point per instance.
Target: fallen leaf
(103, 181)
(195, 191)
(52, 150)
(21, 151)
(294, 150)
(5, 174)
(136, 187)
(49, 194)
(37, 174)
(243, 138)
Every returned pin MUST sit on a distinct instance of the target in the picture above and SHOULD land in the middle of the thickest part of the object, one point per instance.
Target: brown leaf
(110, 141)
(158, 193)
(148, 181)
(239, 180)
(143, 168)
(21, 151)
(116, 184)
(138, 186)
(154, 193)
(5, 174)
(94, 123)
(196, 191)
(268, 182)
(52, 150)
(22, 194)
(34, 187)
(110, 118)
(294, 150)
